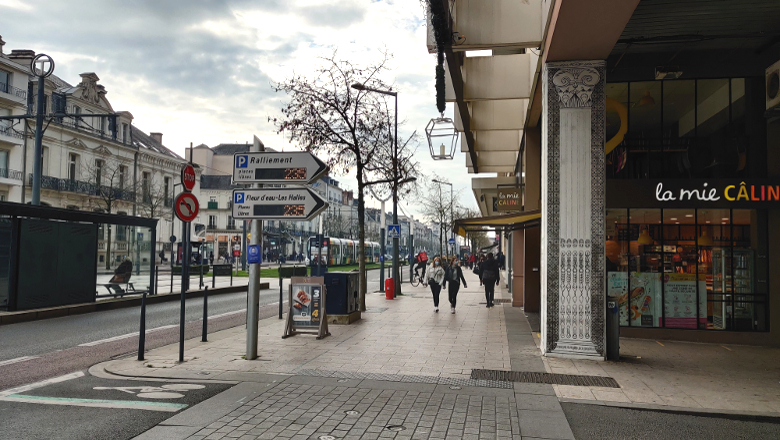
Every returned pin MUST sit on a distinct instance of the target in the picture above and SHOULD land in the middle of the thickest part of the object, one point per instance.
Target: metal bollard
(613, 329)
(156, 279)
(205, 315)
(142, 330)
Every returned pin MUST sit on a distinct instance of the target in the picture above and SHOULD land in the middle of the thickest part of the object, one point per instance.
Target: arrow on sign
(277, 204)
(299, 167)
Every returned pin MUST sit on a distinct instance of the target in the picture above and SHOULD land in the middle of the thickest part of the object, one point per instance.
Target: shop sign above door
(509, 200)
(693, 193)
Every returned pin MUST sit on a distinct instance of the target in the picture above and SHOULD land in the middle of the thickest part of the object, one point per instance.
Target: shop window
(687, 268)
(679, 117)
(644, 129)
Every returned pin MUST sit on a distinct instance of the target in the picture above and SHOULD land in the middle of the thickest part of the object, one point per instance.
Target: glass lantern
(442, 138)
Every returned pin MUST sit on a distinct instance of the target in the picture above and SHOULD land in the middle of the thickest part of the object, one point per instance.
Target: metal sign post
(186, 208)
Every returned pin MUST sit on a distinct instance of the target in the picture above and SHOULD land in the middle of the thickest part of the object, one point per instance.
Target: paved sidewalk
(403, 371)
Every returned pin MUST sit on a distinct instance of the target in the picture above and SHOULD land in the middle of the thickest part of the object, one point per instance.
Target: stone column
(573, 209)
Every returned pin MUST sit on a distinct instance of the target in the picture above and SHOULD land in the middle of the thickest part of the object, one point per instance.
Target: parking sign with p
(238, 197)
(242, 161)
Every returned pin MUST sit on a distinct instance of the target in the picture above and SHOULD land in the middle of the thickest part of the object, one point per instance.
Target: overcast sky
(200, 71)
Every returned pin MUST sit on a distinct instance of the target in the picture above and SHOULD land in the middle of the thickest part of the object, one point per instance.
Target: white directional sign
(277, 204)
(299, 167)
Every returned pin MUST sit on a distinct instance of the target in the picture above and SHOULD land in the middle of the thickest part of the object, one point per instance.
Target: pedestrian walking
(489, 278)
(478, 268)
(454, 276)
(435, 280)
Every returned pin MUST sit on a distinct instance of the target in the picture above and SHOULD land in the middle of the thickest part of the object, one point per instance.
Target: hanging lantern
(442, 138)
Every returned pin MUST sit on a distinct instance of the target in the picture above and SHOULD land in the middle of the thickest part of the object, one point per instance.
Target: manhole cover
(455, 387)
(396, 428)
(352, 413)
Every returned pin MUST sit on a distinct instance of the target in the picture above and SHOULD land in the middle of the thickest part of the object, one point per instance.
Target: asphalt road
(601, 422)
(88, 408)
(38, 350)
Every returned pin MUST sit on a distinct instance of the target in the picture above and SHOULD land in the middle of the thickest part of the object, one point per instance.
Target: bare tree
(350, 128)
(111, 183)
(155, 203)
(439, 207)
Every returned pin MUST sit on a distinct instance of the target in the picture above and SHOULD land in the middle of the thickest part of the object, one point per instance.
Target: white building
(85, 164)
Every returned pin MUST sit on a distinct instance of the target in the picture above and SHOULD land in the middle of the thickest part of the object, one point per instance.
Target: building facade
(643, 137)
(96, 163)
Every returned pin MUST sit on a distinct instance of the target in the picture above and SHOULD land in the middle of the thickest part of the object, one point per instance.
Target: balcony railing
(7, 130)
(11, 174)
(84, 125)
(80, 187)
(11, 90)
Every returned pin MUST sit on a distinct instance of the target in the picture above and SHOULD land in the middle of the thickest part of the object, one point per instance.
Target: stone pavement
(404, 371)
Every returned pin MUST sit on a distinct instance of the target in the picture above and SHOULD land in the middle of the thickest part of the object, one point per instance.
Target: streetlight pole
(396, 277)
(452, 217)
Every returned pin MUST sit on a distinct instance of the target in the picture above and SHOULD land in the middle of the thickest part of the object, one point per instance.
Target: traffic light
(236, 238)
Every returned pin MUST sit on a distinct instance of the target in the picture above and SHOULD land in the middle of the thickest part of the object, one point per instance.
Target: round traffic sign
(186, 207)
(42, 65)
(188, 177)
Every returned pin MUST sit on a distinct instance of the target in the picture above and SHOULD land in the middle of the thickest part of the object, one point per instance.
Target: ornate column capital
(575, 86)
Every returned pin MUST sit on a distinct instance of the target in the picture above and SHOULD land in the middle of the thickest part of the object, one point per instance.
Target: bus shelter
(53, 257)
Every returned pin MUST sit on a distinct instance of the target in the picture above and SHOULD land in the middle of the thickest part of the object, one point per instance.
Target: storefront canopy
(520, 220)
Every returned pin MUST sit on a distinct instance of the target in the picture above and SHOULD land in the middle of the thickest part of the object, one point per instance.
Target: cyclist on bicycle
(422, 261)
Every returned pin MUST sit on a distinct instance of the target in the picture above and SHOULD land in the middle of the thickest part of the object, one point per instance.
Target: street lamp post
(396, 277)
(452, 218)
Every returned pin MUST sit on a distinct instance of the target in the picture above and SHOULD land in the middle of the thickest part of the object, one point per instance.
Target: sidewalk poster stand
(306, 308)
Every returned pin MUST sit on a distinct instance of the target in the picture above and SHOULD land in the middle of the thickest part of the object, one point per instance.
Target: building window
(146, 183)
(73, 166)
(77, 112)
(681, 128)
(122, 174)
(212, 222)
(167, 193)
(124, 133)
(99, 172)
(5, 81)
(231, 222)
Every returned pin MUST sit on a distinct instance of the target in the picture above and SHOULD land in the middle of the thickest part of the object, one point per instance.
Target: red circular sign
(188, 177)
(186, 207)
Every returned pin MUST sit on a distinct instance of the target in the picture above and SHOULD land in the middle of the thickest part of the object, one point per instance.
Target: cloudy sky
(200, 71)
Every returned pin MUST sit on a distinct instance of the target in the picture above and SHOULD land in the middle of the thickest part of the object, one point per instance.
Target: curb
(111, 304)
(748, 416)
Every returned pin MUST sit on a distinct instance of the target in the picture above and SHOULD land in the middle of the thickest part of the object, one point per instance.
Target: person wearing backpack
(489, 278)
(454, 276)
(422, 262)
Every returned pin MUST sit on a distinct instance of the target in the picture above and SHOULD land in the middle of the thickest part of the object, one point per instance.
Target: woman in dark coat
(454, 276)
(489, 278)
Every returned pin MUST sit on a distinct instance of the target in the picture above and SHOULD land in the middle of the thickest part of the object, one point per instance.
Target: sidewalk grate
(547, 378)
(435, 380)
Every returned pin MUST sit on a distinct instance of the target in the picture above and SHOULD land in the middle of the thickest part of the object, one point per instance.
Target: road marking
(129, 335)
(227, 314)
(40, 384)
(726, 348)
(662, 345)
(96, 403)
(19, 359)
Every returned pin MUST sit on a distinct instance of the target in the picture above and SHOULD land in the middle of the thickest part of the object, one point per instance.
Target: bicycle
(416, 280)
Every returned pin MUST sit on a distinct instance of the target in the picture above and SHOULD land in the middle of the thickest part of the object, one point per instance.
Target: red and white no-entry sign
(188, 177)
(186, 207)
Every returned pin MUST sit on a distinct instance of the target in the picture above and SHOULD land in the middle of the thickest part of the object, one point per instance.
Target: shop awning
(519, 220)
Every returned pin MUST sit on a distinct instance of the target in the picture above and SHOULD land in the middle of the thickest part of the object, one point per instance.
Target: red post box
(389, 288)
